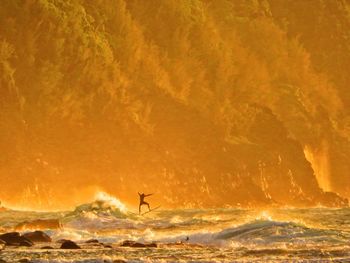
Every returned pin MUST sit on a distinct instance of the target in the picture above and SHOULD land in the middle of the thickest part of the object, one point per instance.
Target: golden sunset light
(132, 129)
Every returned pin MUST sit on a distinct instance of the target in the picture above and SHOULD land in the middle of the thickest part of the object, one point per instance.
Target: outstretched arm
(148, 194)
(138, 193)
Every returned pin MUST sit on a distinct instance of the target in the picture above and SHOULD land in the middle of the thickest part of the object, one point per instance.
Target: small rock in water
(69, 245)
(25, 243)
(2, 261)
(15, 239)
(92, 241)
(152, 245)
(119, 261)
(46, 247)
(107, 246)
(60, 241)
(37, 236)
(24, 260)
(129, 243)
(8, 237)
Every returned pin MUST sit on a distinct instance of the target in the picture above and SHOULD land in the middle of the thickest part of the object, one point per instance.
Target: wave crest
(103, 205)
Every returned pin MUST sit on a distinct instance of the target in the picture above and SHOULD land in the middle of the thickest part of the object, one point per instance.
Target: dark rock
(24, 260)
(69, 245)
(2, 261)
(129, 243)
(37, 236)
(8, 237)
(46, 247)
(107, 246)
(60, 241)
(136, 244)
(39, 224)
(119, 261)
(15, 239)
(25, 243)
(92, 241)
(152, 245)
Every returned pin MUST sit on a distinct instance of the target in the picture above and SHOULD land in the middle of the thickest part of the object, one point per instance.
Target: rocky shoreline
(38, 240)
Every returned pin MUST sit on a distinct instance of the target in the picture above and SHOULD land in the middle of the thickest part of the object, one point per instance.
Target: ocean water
(189, 235)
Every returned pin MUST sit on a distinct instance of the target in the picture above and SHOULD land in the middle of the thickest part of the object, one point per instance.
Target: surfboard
(150, 210)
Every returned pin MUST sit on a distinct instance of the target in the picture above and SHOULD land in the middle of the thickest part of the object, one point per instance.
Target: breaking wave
(215, 234)
(103, 204)
(108, 219)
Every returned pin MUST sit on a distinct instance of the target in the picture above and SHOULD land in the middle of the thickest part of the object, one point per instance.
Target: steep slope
(208, 103)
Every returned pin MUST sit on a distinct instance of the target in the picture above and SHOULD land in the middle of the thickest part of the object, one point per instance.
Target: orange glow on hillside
(204, 103)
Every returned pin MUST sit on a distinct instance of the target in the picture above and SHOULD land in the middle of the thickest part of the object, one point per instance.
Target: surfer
(142, 201)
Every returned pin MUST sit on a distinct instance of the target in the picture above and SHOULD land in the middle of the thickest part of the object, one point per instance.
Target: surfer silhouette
(142, 201)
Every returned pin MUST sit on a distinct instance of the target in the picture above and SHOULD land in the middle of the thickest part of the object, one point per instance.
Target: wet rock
(92, 241)
(46, 247)
(129, 243)
(119, 261)
(37, 236)
(15, 239)
(24, 260)
(39, 224)
(60, 241)
(107, 246)
(151, 245)
(9, 237)
(69, 245)
(25, 243)
(2, 261)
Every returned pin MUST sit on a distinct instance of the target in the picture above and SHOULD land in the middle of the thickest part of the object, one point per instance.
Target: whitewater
(187, 235)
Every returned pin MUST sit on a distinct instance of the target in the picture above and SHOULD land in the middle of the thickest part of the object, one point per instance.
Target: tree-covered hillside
(205, 102)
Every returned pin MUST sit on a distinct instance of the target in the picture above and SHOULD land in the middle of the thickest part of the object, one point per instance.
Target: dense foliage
(204, 102)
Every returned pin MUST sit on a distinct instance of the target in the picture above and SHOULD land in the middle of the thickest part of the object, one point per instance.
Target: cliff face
(208, 103)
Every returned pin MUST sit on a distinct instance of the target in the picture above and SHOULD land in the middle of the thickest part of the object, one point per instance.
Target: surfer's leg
(141, 204)
(149, 209)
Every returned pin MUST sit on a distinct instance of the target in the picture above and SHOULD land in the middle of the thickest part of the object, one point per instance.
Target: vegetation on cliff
(208, 102)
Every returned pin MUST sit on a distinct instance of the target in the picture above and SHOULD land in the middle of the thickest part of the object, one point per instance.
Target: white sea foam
(233, 233)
